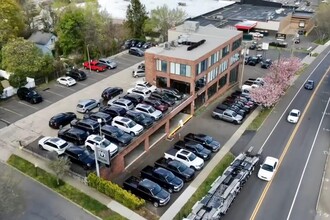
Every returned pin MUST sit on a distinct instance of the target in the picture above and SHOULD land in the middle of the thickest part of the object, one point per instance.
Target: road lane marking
(46, 100)
(81, 83)
(55, 93)
(11, 111)
(287, 146)
(23, 103)
(66, 87)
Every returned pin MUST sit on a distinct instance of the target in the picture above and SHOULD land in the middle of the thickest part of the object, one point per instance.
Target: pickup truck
(259, 80)
(178, 168)
(194, 147)
(163, 177)
(227, 115)
(186, 157)
(205, 140)
(95, 66)
(147, 190)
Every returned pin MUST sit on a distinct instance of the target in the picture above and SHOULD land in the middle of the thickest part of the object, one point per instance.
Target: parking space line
(81, 83)
(55, 93)
(8, 110)
(5, 121)
(23, 103)
(66, 87)
(47, 101)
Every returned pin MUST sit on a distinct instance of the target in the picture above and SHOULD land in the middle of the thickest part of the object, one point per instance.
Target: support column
(146, 144)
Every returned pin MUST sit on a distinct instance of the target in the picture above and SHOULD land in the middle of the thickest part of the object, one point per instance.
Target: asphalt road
(281, 192)
(40, 203)
(13, 109)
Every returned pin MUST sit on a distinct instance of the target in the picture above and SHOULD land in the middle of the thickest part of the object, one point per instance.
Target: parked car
(140, 44)
(156, 104)
(76, 74)
(73, 135)
(95, 66)
(266, 64)
(105, 118)
(148, 45)
(172, 93)
(253, 61)
(309, 84)
(143, 92)
(165, 99)
(62, 119)
(268, 168)
(86, 105)
(96, 140)
(247, 59)
(206, 140)
(111, 92)
(113, 111)
(88, 125)
(163, 177)
(116, 135)
(134, 42)
(138, 73)
(136, 51)
(145, 85)
(30, 95)
(53, 144)
(194, 147)
(127, 125)
(141, 66)
(186, 157)
(111, 64)
(66, 81)
(80, 156)
(149, 110)
(140, 118)
(178, 168)
(121, 102)
(127, 44)
(135, 98)
(293, 116)
(147, 190)
(227, 115)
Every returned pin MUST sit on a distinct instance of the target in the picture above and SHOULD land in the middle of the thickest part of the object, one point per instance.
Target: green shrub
(114, 191)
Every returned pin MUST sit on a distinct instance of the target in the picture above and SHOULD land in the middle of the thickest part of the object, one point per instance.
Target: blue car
(309, 85)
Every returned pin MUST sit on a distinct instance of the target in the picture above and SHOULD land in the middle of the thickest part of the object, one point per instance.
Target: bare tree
(322, 21)
(60, 166)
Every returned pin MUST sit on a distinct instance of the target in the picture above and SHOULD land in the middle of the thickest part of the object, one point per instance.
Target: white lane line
(309, 155)
(66, 87)
(5, 121)
(286, 109)
(23, 103)
(11, 111)
(55, 93)
(81, 83)
(46, 100)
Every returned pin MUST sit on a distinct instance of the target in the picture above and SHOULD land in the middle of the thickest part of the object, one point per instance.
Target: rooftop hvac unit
(191, 26)
(167, 46)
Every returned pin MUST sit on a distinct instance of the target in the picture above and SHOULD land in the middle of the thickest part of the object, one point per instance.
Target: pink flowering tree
(279, 78)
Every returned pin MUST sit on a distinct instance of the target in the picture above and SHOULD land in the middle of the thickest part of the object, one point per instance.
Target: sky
(193, 8)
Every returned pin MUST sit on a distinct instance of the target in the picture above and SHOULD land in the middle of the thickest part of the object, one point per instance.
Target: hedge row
(115, 192)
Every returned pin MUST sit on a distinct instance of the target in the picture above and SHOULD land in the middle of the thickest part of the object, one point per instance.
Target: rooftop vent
(167, 46)
(191, 26)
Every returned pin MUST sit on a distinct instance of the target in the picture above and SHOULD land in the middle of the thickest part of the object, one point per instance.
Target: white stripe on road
(81, 83)
(23, 103)
(11, 111)
(309, 155)
(55, 93)
(5, 121)
(66, 87)
(46, 100)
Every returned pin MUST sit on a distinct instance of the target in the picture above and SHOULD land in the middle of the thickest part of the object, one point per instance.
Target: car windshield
(294, 114)
(80, 106)
(152, 110)
(32, 92)
(131, 124)
(208, 139)
(192, 157)
(182, 168)
(63, 145)
(140, 117)
(234, 114)
(156, 190)
(83, 155)
(199, 148)
(118, 133)
(105, 143)
(148, 85)
(170, 177)
(267, 167)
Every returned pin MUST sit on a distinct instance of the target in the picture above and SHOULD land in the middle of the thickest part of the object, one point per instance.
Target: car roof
(270, 160)
(143, 106)
(75, 149)
(84, 101)
(310, 81)
(148, 183)
(295, 111)
(74, 130)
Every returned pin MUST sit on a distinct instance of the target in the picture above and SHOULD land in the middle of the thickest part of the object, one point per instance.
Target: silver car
(86, 105)
(111, 64)
(138, 73)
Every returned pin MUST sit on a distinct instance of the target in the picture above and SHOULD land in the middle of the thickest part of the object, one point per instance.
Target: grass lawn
(64, 189)
(205, 186)
(257, 122)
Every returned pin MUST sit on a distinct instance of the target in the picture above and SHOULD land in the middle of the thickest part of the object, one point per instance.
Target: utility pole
(89, 61)
(243, 65)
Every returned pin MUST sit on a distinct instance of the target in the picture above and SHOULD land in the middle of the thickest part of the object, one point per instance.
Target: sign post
(101, 155)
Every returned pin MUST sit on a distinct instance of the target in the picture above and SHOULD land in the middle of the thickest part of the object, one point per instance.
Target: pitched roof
(41, 38)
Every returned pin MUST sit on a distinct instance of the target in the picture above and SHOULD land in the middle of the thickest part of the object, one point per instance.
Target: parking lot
(13, 109)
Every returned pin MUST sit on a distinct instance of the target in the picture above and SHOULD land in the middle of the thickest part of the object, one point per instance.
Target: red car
(95, 66)
(156, 104)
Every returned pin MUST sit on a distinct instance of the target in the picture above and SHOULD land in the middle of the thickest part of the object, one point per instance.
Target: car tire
(87, 111)
(40, 147)
(97, 71)
(60, 127)
(89, 148)
(98, 104)
(156, 204)
(235, 122)
(132, 133)
(67, 85)
(170, 190)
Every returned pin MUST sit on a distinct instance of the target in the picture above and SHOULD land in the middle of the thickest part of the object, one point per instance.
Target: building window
(234, 58)
(213, 58)
(236, 44)
(223, 81)
(212, 90)
(212, 74)
(233, 75)
(200, 83)
(225, 51)
(161, 65)
(180, 69)
(223, 66)
(201, 67)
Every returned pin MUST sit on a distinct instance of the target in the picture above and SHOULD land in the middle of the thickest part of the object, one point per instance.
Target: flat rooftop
(213, 37)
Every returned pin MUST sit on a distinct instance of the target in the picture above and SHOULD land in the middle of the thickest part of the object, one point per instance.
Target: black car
(266, 64)
(80, 156)
(116, 135)
(29, 95)
(127, 44)
(309, 84)
(140, 118)
(140, 44)
(106, 118)
(205, 140)
(111, 92)
(75, 73)
(148, 45)
(238, 110)
(88, 125)
(61, 119)
(141, 66)
(178, 168)
(253, 61)
(113, 110)
(134, 42)
(73, 135)
(135, 98)
(196, 148)
(164, 98)
(136, 51)
(172, 93)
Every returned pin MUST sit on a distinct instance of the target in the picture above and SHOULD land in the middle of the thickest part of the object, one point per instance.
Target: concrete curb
(322, 183)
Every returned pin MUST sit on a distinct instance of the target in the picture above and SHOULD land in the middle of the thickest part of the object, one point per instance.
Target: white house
(44, 41)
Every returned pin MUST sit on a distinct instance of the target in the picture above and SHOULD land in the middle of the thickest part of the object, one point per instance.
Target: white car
(66, 81)
(293, 116)
(149, 110)
(268, 168)
(145, 85)
(127, 125)
(140, 91)
(53, 144)
(97, 140)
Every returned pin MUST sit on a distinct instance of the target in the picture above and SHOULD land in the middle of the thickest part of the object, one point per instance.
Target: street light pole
(89, 61)
(96, 162)
(99, 120)
(243, 65)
